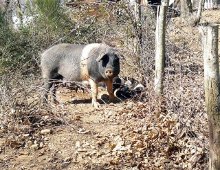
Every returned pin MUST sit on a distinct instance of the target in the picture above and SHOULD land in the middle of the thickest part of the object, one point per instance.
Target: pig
(94, 63)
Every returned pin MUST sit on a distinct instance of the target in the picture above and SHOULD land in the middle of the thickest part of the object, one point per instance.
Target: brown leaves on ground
(126, 135)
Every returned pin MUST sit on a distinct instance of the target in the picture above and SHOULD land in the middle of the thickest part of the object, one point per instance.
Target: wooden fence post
(212, 91)
(160, 48)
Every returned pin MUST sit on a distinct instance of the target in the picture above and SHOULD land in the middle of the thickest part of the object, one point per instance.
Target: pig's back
(64, 59)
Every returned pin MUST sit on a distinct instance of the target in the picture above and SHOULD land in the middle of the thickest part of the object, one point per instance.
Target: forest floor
(127, 135)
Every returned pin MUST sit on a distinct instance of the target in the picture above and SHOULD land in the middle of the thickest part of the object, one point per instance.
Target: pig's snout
(109, 72)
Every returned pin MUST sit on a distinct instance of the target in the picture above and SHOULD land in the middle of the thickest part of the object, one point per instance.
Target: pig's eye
(116, 60)
(105, 60)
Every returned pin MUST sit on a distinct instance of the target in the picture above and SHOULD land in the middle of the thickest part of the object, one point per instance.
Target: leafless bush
(22, 115)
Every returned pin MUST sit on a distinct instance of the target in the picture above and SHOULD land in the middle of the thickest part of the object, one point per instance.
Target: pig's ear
(117, 53)
(100, 57)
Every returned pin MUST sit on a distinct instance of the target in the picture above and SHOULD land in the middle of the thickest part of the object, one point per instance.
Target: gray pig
(93, 62)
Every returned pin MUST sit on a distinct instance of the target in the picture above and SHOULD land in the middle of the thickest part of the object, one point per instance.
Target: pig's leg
(109, 84)
(57, 78)
(53, 91)
(94, 91)
(46, 88)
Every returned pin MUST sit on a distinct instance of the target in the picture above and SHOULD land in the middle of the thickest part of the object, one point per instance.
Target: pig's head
(108, 65)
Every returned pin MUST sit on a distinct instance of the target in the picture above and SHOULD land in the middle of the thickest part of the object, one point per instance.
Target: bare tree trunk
(186, 8)
(138, 19)
(9, 11)
(20, 13)
(212, 91)
(194, 20)
(200, 8)
(140, 23)
(211, 4)
(214, 4)
(160, 48)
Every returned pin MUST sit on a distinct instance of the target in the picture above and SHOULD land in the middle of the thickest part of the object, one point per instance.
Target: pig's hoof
(113, 99)
(96, 104)
(56, 102)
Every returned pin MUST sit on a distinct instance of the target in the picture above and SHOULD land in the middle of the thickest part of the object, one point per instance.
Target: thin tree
(211, 4)
(200, 8)
(8, 11)
(138, 26)
(196, 19)
(212, 91)
(20, 12)
(160, 48)
(186, 8)
(215, 3)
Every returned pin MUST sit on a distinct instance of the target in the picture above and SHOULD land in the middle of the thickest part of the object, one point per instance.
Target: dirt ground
(89, 139)
(126, 135)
